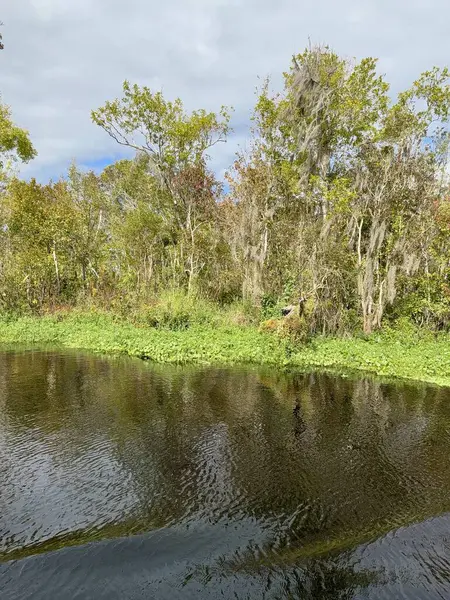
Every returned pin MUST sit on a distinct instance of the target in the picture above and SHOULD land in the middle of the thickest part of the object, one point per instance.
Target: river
(120, 479)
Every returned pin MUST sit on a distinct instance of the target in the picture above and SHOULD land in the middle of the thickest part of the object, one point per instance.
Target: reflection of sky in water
(231, 485)
(411, 563)
(47, 488)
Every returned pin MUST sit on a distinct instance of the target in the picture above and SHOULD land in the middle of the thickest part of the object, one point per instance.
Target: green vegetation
(211, 337)
(15, 143)
(77, 538)
(342, 199)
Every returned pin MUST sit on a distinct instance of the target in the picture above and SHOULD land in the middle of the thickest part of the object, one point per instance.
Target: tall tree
(349, 175)
(175, 144)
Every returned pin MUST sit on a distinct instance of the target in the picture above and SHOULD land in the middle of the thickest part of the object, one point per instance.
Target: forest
(341, 197)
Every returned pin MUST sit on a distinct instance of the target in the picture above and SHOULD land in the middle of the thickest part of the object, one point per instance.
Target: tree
(341, 197)
(142, 227)
(175, 144)
(349, 176)
(171, 138)
(15, 143)
(399, 173)
(36, 243)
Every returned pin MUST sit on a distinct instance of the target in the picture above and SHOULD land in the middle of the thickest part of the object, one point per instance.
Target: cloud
(62, 59)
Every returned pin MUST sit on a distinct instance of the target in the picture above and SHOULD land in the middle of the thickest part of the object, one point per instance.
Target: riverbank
(417, 356)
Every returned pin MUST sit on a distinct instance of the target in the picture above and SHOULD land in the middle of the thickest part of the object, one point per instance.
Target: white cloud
(64, 58)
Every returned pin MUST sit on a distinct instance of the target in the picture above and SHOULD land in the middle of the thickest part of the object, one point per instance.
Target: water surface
(122, 479)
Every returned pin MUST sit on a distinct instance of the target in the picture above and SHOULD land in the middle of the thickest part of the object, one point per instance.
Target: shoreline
(393, 355)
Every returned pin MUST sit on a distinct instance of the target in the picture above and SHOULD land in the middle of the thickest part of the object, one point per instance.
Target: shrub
(269, 308)
(270, 325)
(293, 328)
(178, 311)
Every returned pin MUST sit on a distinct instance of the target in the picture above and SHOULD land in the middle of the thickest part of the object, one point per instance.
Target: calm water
(119, 479)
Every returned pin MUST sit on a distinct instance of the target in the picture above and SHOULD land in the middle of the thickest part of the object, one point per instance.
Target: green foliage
(163, 129)
(341, 198)
(14, 141)
(424, 301)
(176, 311)
(269, 306)
(289, 289)
(409, 353)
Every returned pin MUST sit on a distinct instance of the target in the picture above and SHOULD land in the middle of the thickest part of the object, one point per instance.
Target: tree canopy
(341, 198)
(15, 143)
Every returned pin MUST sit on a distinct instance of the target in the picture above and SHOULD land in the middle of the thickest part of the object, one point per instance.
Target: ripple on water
(226, 491)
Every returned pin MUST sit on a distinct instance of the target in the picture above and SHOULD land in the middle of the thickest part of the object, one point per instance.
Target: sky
(63, 58)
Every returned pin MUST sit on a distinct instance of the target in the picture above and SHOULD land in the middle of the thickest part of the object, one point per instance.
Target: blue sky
(98, 164)
(64, 58)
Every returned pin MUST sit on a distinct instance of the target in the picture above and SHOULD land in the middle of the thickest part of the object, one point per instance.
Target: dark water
(119, 479)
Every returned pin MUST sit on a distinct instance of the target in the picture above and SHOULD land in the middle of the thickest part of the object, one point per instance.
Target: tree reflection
(305, 457)
(325, 580)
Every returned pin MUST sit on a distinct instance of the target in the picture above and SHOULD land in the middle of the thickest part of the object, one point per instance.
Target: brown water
(119, 479)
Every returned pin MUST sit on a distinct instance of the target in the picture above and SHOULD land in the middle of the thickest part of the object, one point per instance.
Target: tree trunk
(55, 261)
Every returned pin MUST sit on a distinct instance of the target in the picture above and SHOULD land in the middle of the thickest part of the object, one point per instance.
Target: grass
(221, 340)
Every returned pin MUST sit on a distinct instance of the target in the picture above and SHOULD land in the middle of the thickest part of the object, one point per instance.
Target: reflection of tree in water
(315, 579)
(324, 580)
(350, 454)
(355, 453)
(222, 443)
(173, 440)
